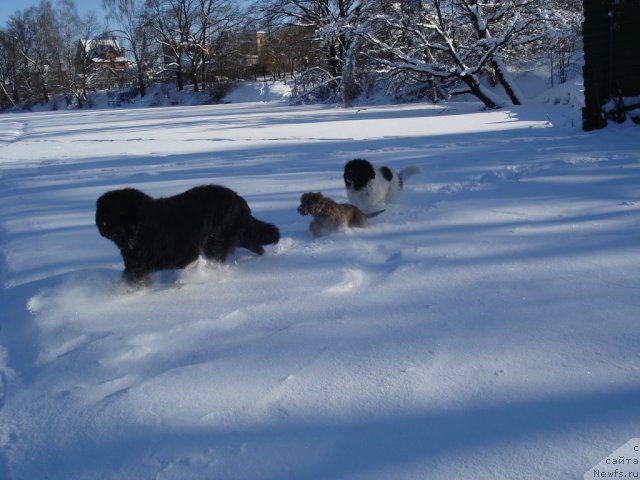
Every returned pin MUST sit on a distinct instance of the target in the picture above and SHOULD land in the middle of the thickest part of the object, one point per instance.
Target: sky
(8, 7)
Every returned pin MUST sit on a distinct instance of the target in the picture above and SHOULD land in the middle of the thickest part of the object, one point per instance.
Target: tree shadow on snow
(425, 442)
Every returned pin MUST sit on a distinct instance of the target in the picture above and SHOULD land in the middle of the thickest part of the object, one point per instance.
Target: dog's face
(118, 214)
(357, 173)
(309, 203)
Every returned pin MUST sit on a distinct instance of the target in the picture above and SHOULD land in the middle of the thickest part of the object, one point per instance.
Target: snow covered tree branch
(423, 39)
(455, 40)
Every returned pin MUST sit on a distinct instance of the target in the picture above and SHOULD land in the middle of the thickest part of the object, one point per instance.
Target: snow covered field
(484, 327)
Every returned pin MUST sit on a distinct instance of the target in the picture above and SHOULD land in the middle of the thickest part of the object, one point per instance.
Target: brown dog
(329, 216)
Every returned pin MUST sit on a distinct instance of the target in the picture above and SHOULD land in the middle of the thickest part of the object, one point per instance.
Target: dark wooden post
(595, 35)
(611, 61)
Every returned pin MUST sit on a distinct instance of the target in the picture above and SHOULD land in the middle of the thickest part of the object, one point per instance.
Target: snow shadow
(467, 440)
(235, 117)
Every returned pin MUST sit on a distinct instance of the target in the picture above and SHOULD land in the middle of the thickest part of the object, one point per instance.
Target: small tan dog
(329, 216)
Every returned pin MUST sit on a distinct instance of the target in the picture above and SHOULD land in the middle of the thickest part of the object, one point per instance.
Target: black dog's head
(310, 203)
(357, 173)
(119, 212)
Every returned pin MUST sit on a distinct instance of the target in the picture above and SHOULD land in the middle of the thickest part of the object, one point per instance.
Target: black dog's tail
(259, 233)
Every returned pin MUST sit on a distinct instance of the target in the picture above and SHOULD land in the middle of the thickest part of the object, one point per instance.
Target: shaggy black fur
(358, 173)
(167, 233)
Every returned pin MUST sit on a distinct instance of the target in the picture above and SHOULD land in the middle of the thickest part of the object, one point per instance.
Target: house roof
(89, 44)
(99, 48)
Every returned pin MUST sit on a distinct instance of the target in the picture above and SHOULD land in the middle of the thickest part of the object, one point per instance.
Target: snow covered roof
(101, 49)
(100, 42)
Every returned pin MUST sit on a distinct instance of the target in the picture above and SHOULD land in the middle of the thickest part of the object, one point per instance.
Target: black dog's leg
(136, 277)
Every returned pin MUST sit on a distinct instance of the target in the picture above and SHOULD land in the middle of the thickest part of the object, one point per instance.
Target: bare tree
(89, 30)
(284, 49)
(428, 44)
(501, 25)
(46, 40)
(215, 18)
(172, 22)
(36, 37)
(191, 32)
(9, 72)
(65, 58)
(329, 24)
(134, 25)
(563, 43)
(21, 32)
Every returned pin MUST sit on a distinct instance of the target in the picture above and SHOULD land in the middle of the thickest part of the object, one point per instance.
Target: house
(103, 53)
(102, 61)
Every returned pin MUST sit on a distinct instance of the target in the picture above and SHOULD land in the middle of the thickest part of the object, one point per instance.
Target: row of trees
(43, 49)
(436, 47)
(338, 49)
(37, 44)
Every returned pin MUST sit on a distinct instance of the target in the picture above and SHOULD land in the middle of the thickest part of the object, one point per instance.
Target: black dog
(167, 233)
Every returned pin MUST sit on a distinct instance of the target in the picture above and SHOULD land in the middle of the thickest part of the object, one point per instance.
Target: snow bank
(265, 91)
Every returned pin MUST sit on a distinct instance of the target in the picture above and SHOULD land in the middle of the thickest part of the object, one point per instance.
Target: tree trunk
(194, 80)
(141, 86)
(203, 73)
(179, 79)
(334, 62)
(507, 82)
(45, 93)
(476, 88)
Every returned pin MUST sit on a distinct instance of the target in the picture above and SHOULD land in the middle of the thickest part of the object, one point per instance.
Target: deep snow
(484, 327)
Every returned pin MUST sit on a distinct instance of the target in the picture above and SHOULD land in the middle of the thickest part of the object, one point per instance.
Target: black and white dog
(370, 188)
